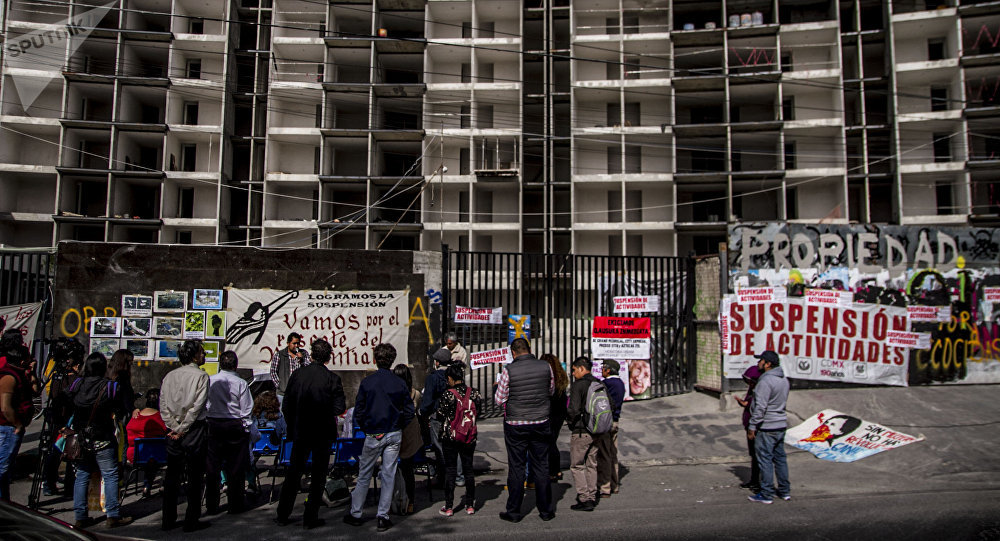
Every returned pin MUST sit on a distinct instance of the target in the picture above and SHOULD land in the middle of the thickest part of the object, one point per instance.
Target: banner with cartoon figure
(260, 320)
(838, 437)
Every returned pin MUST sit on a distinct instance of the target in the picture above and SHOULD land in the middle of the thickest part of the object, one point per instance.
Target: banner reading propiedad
(23, 317)
(861, 343)
(354, 322)
(834, 436)
(620, 338)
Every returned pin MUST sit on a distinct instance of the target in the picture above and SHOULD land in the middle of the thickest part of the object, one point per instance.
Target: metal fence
(25, 277)
(562, 294)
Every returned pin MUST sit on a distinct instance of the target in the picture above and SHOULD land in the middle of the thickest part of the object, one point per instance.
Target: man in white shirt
(229, 407)
(183, 396)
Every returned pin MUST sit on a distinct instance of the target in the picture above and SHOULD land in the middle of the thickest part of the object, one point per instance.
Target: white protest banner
(937, 314)
(820, 342)
(493, 356)
(829, 296)
(757, 295)
(649, 303)
(991, 294)
(916, 340)
(260, 320)
(724, 322)
(834, 436)
(23, 317)
(620, 338)
(484, 316)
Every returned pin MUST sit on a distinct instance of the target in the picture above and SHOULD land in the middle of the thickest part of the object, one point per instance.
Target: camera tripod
(45, 439)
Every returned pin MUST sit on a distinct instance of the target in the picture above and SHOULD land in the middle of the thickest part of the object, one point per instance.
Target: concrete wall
(92, 277)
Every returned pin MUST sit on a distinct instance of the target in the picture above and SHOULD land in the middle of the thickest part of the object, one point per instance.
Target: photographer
(60, 373)
(286, 361)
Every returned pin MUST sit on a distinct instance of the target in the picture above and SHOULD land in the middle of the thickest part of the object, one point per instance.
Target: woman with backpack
(97, 402)
(459, 407)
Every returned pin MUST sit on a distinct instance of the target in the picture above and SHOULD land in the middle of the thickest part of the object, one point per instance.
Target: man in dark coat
(313, 400)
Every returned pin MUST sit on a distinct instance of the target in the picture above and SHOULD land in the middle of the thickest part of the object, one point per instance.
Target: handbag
(76, 443)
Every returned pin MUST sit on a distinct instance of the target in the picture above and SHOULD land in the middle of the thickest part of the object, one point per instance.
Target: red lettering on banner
(770, 342)
(811, 327)
(735, 317)
(864, 324)
(734, 345)
(859, 352)
(831, 316)
(797, 338)
(777, 318)
(782, 344)
(898, 356)
(899, 323)
(873, 352)
(844, 350)
(794, 316)
(749, 344)
(850, 329)
(756, 317)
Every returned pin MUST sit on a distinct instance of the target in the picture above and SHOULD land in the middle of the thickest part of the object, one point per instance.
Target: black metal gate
(563, 293)
(25, 277)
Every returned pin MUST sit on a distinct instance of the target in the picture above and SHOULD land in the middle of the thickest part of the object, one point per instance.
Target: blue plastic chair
(148, 451)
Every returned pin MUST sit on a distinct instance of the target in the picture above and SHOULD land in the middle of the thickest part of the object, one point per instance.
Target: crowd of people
(210, 424)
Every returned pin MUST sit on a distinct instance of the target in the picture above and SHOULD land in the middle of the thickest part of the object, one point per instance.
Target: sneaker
(352, 520)
(786, 497)
(47, 490)
(470, 510)
(383, 524)
(446, 511)
(460, 482)
(759, 499)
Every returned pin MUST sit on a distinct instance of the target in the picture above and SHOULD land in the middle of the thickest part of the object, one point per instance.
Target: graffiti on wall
(941, 275)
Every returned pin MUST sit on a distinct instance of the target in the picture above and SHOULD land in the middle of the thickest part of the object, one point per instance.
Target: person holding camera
(97, 401)
(288, 360)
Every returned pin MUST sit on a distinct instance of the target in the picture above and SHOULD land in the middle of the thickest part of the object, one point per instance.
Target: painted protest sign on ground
(23, 317)
(647, 303)
(821, 342)
(834, 436)
(620, 338)
(493, 356)
(478, 316)
(354, 322)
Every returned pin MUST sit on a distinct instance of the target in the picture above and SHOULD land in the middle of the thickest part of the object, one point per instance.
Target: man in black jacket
(583, 446)
(435, 386)
(525, 387)
(383, 407)
(313, 400)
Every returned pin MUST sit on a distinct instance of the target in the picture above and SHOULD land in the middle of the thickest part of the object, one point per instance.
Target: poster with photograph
(166, 350)
(171, 302)
(137, 327)
(106, 346)
(105, 327)
(168, 327)
(194, 325)
(207, 299)
(212, 350)
(210, 368)
(137, 306)
(141, 348)
(215, 324)
(640, 381)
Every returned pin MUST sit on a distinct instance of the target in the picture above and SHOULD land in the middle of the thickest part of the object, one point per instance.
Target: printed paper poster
(493, 356)
(648, 303)
(838, 437)
(478, 316)
(620, 338)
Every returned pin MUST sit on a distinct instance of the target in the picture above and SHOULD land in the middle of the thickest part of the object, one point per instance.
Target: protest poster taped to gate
(23, 317)
(648, 303)
(863, 343)
(620, 338)
(478, 316)
(835, 436)
(354, 322)
(493, 356)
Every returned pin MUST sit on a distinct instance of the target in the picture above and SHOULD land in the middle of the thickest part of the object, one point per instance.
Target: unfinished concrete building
(583, 126)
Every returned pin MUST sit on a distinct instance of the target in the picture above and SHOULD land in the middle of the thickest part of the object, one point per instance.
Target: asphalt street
(683, 466)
